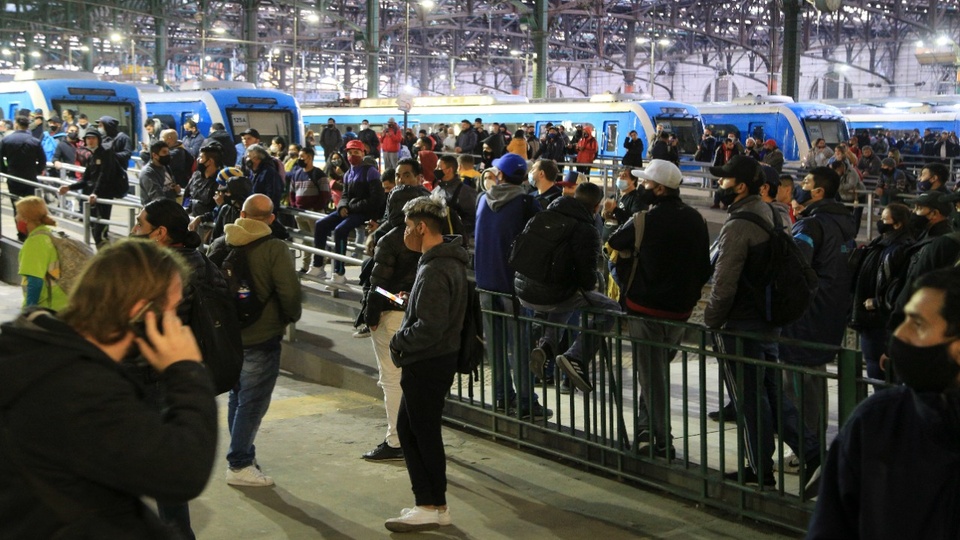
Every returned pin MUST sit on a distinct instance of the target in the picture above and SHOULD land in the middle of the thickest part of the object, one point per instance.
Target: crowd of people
(540, 241)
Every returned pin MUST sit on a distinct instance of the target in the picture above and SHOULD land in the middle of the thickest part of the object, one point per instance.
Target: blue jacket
(825, 233)
(502, 213)
(362, 192)
(267, 180)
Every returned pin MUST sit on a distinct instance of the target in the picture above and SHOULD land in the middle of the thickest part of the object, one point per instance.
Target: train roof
(810, 109)
(244, 96)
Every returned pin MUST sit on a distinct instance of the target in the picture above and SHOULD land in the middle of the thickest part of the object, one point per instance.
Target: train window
(269, 123)
(123, 112)
(688, 131)
(756, 131)
(167, 121)
(610, 132)
(832, 131)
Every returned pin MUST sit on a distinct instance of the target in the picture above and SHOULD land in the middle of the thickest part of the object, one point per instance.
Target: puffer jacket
(883, 264)
(742, 248)
(363, 192)
(393, 215)
(825, 234)
(584, 246)
(82, 425)
(394, 269)
(437, 305)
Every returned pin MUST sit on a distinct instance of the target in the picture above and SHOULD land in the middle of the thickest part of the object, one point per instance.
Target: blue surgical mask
(924, 186)
(532, 180)
(621, 185)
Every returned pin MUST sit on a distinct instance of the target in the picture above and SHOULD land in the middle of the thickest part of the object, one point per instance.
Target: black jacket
(673, 264)
(394, 269)
(662, 150)
(892, 472)
(363, 192)
(228, 144)
(584, 245)
(369, 138)
(393, 215)
(628, 205)
(200, 191)
(878, 277)
(634, 155)
(116, 140)
(21, 155)
(79, 423)
(100, 173)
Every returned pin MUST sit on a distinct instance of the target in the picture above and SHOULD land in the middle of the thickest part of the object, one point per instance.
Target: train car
(612, 117)
(84, 93)
(236, 105)
(795, 126)
(900, 121)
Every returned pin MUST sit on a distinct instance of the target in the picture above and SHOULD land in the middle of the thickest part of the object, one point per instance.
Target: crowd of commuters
(429, 201)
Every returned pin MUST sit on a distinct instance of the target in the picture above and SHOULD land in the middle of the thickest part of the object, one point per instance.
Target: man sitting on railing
(892, 470)
(869, 164)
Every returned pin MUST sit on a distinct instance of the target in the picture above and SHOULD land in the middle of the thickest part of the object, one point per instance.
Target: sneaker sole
(444, 518)
(567, 367)
(538, 359)
(241, 483)
(400, 458)
(410, 527)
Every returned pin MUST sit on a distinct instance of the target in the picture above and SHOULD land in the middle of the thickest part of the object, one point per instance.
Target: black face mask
(647, 197)
(438, 174)
(302, 164)
(919, 222)
(726, 196)
(164, 160)
(884, 228)
(803, 197)
(73, 136)
(924, 369)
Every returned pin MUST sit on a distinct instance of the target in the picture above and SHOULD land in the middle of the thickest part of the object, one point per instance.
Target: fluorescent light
(312, 17)
(665, 42)
(116, 37)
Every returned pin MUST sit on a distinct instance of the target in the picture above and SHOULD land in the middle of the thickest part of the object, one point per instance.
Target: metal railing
(605, 431)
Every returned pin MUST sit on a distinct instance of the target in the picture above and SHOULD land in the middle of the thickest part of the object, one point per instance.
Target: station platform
(327, 411)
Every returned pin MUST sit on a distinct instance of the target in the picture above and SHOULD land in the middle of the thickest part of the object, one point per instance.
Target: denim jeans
(249, 401)
(561, 313)
(755, 394)
(501, 331)
(341, 228)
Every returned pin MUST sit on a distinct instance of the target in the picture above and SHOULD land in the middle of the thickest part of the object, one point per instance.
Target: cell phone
(396, 299)
(139, 327)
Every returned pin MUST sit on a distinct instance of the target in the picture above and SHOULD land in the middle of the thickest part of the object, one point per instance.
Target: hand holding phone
(395, 298)
(161, 348)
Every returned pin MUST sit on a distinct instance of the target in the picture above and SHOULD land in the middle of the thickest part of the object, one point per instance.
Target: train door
(757, 131)
(14, 107)
(184, 116)
(609, 138)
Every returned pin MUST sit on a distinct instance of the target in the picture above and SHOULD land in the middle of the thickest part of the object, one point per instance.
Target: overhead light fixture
(427, 4)
(116, 37)
(642, 40)
(665, 42)
(312, 17)
(943, 41)
(6, 51)
(35, 54)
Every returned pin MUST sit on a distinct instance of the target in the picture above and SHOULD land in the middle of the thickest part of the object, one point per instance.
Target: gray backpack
(73, 256)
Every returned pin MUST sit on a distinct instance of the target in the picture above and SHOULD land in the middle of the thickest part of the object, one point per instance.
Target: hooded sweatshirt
(79, 423)
(502, 213)
(116, 140)
(275, 280)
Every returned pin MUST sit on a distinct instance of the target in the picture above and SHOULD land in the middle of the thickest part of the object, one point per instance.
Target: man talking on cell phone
(79, 445)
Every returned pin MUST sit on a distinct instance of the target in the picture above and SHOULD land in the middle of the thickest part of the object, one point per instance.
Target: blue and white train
(237, 105)
(611, 116)
(794, 126)
(900, 121)
(82, 92)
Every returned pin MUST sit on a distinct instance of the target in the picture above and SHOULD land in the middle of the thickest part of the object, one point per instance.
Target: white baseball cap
(662, 172)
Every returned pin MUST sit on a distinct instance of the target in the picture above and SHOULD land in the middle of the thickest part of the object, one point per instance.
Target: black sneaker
(664, 452)
(538, 359)
(576, 370)
(750, 478)
(384, 452)
(729, 413)
(566, 387)
(503, 407)
(362, 332)
(538, 412)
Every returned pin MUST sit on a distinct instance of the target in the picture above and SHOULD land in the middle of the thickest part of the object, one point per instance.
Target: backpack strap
(639, 226)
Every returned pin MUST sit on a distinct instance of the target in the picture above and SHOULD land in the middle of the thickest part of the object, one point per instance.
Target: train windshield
(270, 124)
(123, 112)
(688, 131)
(832, 131)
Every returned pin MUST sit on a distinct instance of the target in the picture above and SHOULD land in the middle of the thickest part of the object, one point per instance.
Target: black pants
(100, 230)
(425, 386)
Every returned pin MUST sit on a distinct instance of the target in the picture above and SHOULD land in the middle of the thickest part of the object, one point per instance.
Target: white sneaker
(317, 272)
(414, 520)
(444, 516)
(791, 464)
(250, 476)
(339, 279)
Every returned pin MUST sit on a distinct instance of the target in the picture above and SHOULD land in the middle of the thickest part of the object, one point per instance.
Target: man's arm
(730, 262)
(286, 283)
(431, 315)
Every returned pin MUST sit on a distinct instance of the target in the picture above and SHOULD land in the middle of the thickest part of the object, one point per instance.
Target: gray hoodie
(438, 301)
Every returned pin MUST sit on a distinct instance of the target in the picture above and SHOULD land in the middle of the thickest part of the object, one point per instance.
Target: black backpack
(213, 319)
(472, 343)
(236, 270)
(542, 251)
(788, 282)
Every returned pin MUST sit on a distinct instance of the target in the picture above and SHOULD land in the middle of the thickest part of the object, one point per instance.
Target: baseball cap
(770, 142)
(92, 132)
(511, 165)
(662, 172)
(570, 180)
(38, 112)
(742, 168)
(252, 132)
(935, 200)
(770, 177)
(226, 175)
(355, 144)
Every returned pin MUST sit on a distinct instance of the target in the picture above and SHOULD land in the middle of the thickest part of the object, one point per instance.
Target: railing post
(86, 223)
(869, 215)
(848, 373)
